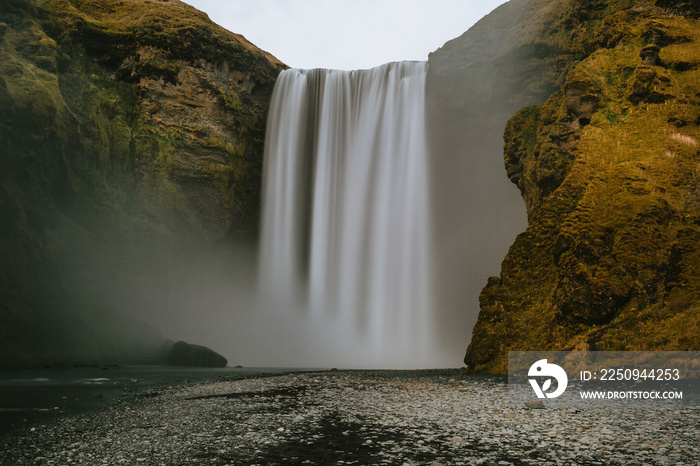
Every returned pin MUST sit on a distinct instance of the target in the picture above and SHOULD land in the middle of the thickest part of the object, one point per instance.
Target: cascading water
(345, 232)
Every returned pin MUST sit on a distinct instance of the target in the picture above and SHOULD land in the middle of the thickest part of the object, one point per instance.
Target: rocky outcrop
(475, 83)
(687, 8)
(608, 170)
(516, 56)
(127, 128)
(185, 354)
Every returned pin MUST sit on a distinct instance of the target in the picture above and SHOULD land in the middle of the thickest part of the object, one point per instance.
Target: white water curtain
(345, 206)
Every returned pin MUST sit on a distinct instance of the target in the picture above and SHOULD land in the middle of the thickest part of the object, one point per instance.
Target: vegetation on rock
(127, 126)
(120, 121)
(608, 168)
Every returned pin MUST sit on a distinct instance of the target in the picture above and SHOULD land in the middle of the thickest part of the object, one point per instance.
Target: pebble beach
(441, 417)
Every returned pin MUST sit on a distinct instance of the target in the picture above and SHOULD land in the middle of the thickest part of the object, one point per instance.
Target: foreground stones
(341, 417)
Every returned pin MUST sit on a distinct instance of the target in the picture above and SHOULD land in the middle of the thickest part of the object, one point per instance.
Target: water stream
(345, 233)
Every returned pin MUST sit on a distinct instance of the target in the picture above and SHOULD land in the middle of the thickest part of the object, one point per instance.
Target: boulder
(184, 354)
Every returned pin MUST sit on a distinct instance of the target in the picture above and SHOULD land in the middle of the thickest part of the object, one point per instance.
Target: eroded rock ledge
(608, 169)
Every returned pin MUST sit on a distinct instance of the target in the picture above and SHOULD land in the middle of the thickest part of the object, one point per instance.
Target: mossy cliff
(122, 123)
(514, 57)
(609, 169)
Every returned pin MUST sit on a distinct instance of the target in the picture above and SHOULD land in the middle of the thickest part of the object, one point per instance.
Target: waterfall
(345, 229)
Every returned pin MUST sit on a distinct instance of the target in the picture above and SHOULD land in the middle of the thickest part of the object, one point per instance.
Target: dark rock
(562, 244)
(184, 354)
(583, 301)
(581, 102)
(650, 54)
(153, 127)
(688, 8)
(657, 33)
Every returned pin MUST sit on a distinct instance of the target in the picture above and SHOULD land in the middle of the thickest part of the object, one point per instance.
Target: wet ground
(354, 417)
(34, 395)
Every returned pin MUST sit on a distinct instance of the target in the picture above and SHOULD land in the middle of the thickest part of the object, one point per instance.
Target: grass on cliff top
(170, 20)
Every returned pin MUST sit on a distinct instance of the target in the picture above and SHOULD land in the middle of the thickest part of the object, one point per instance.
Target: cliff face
(133, 125)
(608, 169)
(517, 56)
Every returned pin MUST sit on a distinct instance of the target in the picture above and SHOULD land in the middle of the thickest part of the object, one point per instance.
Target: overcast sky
(347, 34)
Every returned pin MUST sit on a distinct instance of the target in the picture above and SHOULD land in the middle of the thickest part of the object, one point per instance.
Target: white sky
(347, 34)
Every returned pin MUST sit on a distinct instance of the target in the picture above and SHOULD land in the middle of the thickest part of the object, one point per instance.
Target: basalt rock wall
(128, 128)
(607, 166)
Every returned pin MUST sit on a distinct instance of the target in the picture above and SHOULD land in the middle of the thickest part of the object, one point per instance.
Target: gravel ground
(350, 417)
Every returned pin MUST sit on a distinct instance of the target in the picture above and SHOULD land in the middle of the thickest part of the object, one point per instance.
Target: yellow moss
(174, 20)
(611, 258)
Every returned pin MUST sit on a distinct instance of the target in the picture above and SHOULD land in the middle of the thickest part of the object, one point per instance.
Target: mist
(208, 295)
(134, 290)
(157, 287)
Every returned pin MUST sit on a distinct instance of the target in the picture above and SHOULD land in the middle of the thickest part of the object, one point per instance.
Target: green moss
(606, 261)
(153, 66)
(112, 120)
(232, 101)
